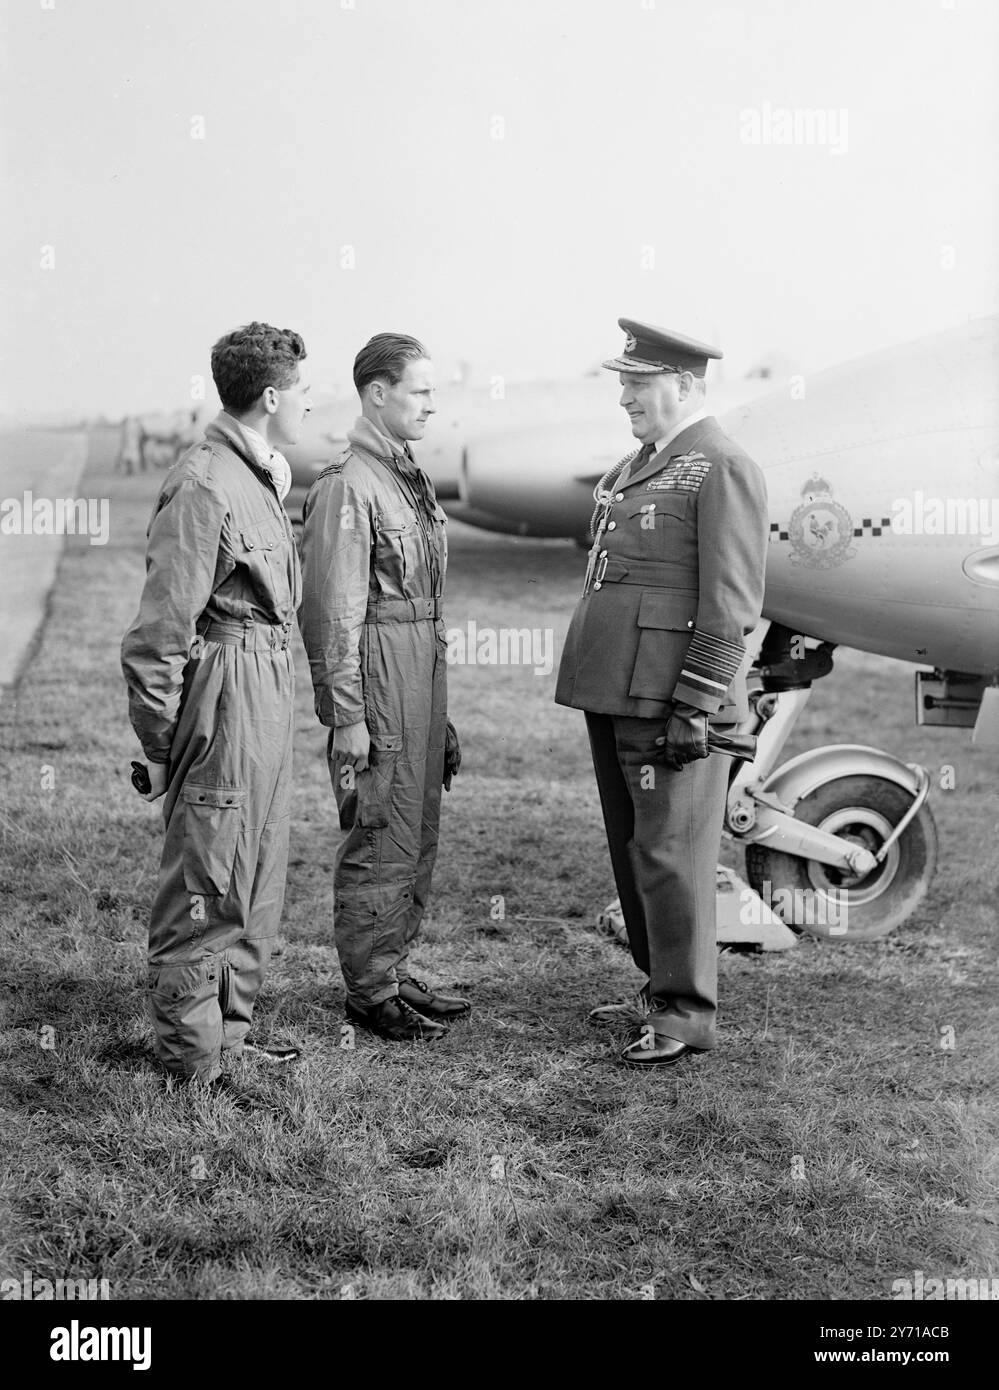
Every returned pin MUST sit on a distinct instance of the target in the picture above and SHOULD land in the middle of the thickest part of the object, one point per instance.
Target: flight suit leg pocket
(186, 1016)
(369, 927)
(213, 818)
(365, 798)
(374, 785)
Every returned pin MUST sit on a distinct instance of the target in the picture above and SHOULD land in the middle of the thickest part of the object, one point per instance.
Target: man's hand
(452, 755)
(685, 738)
(159, 774)
(352, 743)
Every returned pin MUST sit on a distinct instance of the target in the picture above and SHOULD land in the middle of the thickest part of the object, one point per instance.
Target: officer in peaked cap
(654, 655)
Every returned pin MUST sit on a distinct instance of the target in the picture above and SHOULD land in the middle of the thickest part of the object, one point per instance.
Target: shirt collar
(685, 423)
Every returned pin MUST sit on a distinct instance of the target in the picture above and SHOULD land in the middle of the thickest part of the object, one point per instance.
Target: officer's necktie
(615, 477)
(638, 462)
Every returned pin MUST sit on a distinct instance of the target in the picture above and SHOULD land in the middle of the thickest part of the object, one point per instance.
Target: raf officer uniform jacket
(674, 586)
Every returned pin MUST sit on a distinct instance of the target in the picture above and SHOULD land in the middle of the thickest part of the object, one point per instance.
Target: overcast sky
(503, 178)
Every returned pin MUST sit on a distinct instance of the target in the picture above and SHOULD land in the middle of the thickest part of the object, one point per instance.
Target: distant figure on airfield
(130, 450)
(211, 692)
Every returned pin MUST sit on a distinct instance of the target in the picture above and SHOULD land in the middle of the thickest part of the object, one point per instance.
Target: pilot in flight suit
(653, 653)
(211, 697)
(374, 552)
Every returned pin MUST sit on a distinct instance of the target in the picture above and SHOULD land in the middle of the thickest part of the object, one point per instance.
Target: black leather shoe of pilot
(271, 1054)
(646, 1048)
(394, 1019)
(442, 1008)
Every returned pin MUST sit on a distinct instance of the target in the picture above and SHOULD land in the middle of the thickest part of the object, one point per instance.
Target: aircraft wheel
(833, 903)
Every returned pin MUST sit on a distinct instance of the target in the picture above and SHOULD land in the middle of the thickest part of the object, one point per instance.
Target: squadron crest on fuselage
(820, 529)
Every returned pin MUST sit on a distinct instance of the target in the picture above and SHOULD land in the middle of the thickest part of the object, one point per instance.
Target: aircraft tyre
(828, 902)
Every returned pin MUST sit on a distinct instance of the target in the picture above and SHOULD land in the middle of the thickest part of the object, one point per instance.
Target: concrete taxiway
(47, 464)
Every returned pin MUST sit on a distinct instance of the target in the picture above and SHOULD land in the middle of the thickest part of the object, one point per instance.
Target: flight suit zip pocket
(225, 986)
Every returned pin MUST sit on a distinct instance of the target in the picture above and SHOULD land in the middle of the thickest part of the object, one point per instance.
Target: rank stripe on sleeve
(710, 666)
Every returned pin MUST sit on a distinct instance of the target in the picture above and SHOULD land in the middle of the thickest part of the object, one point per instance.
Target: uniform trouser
(664, 834)
(218, 903)
(385, 863)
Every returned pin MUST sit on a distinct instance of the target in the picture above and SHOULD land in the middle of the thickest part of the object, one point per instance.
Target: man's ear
(686, 385)
(269, 398)
(376, 392)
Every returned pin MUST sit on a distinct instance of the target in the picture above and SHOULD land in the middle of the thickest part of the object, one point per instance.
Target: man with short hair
(654, 655)
(211, 693)
(374, 555)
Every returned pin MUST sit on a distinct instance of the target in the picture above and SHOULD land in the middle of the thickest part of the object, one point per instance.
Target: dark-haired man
(211, 692)
(374, 555)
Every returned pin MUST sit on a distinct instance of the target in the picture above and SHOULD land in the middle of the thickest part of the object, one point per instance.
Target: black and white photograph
(499, 669)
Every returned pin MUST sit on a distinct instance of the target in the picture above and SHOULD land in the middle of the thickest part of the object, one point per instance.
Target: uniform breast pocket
(266, 555)
(651, 519)
(397, 550)
(666, 619)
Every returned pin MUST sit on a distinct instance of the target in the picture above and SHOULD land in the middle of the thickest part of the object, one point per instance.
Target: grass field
(832, 1143)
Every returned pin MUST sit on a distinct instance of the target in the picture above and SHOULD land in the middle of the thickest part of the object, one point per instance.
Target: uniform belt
(646, 572)
(405, 610)
(252, 637)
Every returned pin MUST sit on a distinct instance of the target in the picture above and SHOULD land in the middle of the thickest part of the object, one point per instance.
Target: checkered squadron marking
(685, 473)
(867, 527)
(872, 528)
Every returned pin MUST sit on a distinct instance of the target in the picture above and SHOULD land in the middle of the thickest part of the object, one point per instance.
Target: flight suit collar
(366, 436)
(242, 441)
(682, 443)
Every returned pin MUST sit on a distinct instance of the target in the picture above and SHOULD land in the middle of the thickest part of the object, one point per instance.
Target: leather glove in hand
(685, 738)
(452, 755)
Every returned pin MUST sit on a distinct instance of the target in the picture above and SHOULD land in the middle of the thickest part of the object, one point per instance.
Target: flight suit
(374, 553)
(675, 583)
(211, 690)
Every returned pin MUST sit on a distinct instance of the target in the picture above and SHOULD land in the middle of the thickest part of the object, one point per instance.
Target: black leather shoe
(272, 1054)
(442, 1008)
(646, 1048)
(394, 1019)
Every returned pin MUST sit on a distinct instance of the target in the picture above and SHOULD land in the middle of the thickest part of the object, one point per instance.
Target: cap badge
(630, 343)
